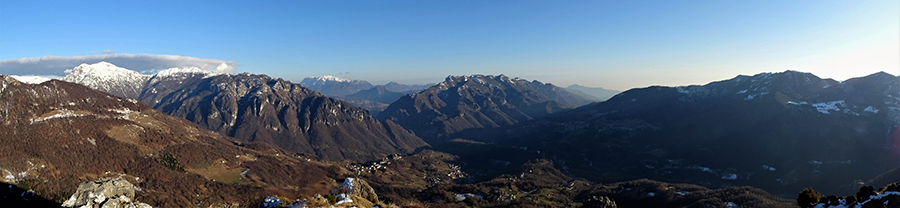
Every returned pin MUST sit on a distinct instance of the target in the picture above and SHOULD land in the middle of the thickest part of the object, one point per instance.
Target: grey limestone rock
(103, 193)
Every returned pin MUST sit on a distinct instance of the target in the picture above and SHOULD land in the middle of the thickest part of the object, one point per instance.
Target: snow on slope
(107, 77)
(30, 79)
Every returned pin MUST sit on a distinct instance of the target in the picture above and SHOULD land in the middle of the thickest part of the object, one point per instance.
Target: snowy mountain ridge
(107, 77)
(335, 86)
(30, 79)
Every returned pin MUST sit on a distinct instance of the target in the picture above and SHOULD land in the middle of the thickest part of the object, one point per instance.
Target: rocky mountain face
(781, 132)
(108, 78)
(259, 108)
(476, 102)
(594, 93)
(57, 134)
(297, 119)
(334, 86)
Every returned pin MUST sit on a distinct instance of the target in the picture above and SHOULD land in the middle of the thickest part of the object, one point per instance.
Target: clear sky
(611, 44)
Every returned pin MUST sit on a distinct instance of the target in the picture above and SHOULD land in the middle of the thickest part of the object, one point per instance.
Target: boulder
(103, 193)
(357, 188)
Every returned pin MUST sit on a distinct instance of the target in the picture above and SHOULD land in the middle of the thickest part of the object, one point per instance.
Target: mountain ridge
(476, 102)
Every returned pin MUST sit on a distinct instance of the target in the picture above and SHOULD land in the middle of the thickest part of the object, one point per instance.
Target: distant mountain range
(334, 86)
(502, 142)
(360, 92)
(594, 93)
(402, 88)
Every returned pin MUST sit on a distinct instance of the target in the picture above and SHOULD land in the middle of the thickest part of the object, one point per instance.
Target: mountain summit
(334, 86)
(475, 102)
(109, 78)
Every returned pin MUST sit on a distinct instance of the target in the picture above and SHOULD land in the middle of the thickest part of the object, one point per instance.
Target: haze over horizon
(614, 45)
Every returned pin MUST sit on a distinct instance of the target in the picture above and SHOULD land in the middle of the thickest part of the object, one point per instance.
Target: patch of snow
(347, 185)
(829, 106)
(462, 197)
(730, 204)
(871, 109)
(730, 176)
(879, 196)
(331, 78)
(742, 92)
(704, 169)
(244, 174)
(769, 168)
(271, 201)
(683, 193)
(343, 198)
(30, 79)
(59, 114)
(10, 177)
(126, 113)
(105, 76)
(178, 72)
(796, 103)
(651, 194)
(750, 97)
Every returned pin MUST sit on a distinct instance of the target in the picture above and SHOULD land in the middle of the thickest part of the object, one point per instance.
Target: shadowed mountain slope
(474, 103)
(781, 132)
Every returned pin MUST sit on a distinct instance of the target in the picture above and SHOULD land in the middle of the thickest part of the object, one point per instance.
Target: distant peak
(329, 78)
(99, 67)
(186, 70)
(29, 79)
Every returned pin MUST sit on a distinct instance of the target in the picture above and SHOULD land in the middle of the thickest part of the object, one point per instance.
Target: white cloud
(108, 51)
(56, 65)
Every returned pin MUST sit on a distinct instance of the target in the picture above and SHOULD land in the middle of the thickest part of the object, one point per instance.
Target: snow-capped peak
(187, 70)
(101, 70)
(107, 77)
(329, 78)
(30, 79)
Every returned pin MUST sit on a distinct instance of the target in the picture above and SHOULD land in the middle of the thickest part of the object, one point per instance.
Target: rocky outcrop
(353, 192)
(599, 202)
(356, 188)
(103, 193)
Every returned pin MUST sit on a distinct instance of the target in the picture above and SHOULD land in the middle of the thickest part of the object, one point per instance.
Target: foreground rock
(353, 192)
(104, 192)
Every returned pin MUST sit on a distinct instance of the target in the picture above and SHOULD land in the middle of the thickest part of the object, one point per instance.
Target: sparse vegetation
(808, 197)
(168, 160)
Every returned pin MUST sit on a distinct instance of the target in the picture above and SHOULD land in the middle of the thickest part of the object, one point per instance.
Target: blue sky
(610, 44)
